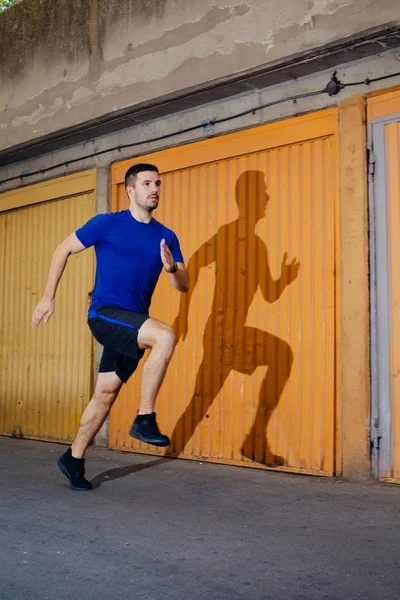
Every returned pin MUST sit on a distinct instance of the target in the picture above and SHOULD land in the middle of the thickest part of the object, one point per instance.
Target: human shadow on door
(241, 266)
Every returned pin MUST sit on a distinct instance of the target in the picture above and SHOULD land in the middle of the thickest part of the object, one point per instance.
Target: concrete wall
(64, 62)
(64, 161)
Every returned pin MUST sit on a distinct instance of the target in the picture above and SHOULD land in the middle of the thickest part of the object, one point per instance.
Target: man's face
(146, 192)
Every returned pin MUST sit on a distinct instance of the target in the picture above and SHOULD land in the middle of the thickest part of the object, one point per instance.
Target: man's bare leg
(94, 415)
(71, 463)
(162, 340)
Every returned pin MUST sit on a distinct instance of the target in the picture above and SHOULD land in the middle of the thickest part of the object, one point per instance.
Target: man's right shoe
(146, 430)
(74, 470)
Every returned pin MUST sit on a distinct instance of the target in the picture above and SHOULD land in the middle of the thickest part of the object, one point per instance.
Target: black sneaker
(74, 469)
(146, 430)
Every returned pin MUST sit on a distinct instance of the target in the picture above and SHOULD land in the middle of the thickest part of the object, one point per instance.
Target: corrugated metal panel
(392, 135)
(253, 383)
(45, 374)
(383, 103)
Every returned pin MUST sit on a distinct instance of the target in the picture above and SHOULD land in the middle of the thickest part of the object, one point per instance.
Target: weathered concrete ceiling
(131, 61)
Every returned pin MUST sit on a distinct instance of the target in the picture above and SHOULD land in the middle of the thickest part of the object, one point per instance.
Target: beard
(154, 206)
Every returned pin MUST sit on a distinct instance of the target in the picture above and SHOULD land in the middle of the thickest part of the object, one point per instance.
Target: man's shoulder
(115, 216)
(106, 223)
(163, 229)
(113, 219)
(109, 217)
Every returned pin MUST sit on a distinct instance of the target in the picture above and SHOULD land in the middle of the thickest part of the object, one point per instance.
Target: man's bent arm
(45, 308)
(180, 279)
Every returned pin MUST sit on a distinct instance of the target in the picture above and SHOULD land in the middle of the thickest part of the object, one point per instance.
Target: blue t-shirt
(128, 258)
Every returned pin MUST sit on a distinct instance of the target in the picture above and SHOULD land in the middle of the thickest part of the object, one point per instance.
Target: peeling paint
(80, 95)
(39, 113)
(183, 33)
(325, 7)
(121, 52)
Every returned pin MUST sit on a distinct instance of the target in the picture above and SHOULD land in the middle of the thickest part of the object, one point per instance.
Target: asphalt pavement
(158, 529)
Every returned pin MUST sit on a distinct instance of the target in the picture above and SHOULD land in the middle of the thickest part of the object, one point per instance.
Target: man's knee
(167, 338)
(106, 396)
(107, 389)
(156, 334)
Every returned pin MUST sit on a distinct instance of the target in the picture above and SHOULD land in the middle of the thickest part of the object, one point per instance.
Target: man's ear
(130, 191)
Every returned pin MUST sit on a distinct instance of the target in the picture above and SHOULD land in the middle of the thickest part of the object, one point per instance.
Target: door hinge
(376, 436)
(371, 161)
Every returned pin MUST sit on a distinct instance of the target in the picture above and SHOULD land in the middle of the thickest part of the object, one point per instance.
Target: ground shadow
(119, 472)
(241, 266)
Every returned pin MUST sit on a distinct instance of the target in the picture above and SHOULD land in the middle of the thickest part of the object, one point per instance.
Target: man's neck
(139, 214)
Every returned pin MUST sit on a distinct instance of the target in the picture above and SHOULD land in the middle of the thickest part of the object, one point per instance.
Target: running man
(131, 248)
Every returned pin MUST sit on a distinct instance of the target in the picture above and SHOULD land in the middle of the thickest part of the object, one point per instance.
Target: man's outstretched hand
(166, 256)
(43, 310)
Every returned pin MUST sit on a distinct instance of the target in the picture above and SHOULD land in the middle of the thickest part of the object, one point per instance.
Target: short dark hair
(132, 173)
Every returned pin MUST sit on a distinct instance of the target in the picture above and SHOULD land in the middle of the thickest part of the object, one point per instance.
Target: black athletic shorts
(117, 331)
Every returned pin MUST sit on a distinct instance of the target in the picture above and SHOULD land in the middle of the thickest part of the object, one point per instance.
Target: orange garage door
(252, 381)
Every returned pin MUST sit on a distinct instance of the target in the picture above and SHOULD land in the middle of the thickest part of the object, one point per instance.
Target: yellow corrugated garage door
(253, 382)
(45, 374)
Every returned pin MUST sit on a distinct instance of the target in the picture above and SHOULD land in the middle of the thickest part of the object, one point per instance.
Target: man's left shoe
(74, 470)
(146, 430)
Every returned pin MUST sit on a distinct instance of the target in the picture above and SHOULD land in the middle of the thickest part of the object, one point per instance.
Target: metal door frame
(380, 298)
